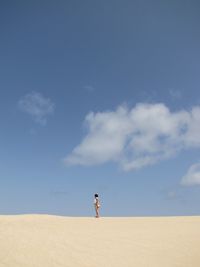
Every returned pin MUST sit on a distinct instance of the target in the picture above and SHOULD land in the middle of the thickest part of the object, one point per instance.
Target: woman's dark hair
(96, 195)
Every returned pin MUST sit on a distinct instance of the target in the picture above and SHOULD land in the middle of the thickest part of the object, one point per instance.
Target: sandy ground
(48, 241)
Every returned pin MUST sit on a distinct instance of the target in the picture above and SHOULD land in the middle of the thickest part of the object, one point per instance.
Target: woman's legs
(97, 211)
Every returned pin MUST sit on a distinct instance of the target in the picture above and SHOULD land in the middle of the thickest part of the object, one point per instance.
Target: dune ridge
(36, 240)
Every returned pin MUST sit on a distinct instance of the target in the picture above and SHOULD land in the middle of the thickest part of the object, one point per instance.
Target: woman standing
(96, 205)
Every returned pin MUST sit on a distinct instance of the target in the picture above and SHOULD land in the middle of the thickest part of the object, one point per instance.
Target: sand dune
(48, 241)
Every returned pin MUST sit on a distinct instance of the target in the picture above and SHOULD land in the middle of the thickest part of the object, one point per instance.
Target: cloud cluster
(37, 106)
(192, 176)
(136, 137)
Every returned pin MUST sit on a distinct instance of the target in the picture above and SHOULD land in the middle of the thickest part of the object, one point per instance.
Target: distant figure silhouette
(96, 205)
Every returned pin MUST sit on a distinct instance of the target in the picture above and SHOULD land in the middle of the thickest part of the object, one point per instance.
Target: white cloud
(192, 176)
(136, 137)
(37, 106)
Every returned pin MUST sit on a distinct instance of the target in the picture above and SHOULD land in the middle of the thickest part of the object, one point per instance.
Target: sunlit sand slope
(53, 241)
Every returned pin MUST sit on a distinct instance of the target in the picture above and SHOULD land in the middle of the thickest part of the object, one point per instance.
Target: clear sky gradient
(100, 97)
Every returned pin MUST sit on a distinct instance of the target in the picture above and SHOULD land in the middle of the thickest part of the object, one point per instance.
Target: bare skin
(97, 206)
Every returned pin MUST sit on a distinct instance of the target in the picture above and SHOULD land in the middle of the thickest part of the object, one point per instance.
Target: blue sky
(100, 96)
